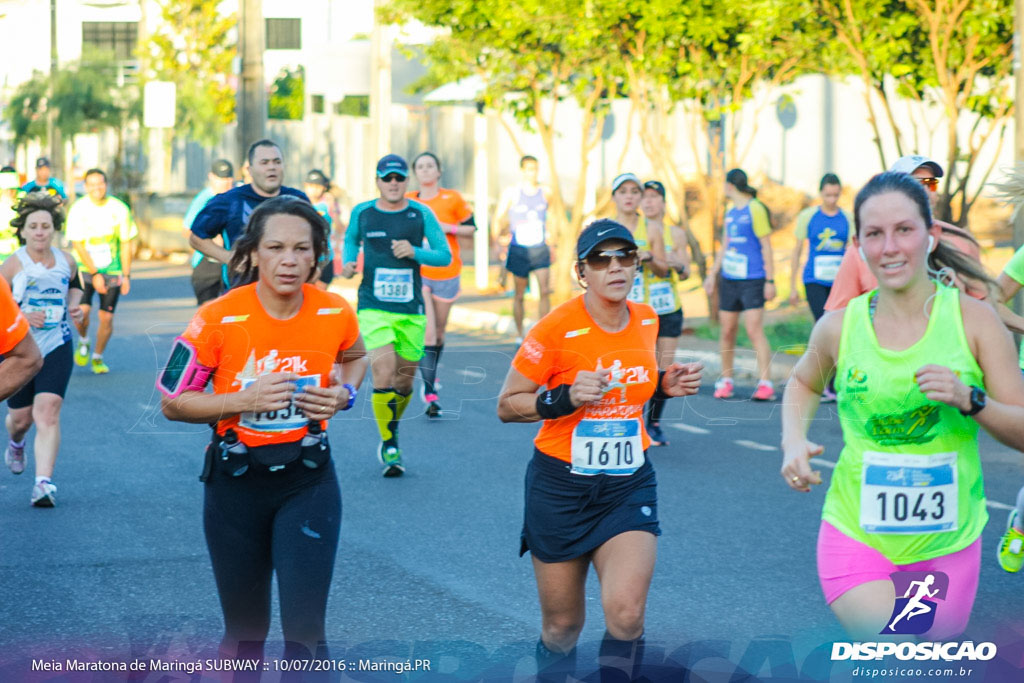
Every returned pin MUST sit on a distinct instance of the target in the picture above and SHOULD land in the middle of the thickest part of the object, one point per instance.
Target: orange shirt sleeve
(15, 325)
(206, 338)
(537, 358)
(853, 279)
(460, 207)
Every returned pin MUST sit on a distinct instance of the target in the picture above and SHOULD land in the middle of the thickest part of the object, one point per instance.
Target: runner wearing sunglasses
(590, 490)
(283, 357)
(391, 230)
(855, 278)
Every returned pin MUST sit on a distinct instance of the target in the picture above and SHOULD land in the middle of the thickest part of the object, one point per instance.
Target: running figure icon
(916, 605)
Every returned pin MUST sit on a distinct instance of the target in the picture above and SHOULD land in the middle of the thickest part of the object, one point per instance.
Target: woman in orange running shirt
(283, 357)
(590, 490)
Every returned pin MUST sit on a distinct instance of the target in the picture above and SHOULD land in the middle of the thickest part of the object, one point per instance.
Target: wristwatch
(978, 401)
(351, 396)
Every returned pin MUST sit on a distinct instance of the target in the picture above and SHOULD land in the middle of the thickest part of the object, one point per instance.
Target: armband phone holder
(182, 372)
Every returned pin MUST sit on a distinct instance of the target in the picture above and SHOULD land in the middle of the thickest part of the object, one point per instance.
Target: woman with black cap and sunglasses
(748, 281)
(590, 490)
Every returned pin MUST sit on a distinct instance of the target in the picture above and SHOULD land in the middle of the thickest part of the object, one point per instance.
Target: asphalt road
(427, 565)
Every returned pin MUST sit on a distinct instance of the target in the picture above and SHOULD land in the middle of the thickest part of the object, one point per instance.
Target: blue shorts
(522, 260)
(569, 515)
(741, 295)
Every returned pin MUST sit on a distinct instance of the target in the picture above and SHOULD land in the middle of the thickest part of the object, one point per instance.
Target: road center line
(690, 428)
(754, 445)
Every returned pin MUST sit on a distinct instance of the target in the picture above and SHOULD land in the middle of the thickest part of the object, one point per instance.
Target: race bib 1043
(908, 494)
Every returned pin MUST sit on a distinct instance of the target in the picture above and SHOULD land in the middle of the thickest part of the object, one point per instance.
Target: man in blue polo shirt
(44, 181)
(227, 214)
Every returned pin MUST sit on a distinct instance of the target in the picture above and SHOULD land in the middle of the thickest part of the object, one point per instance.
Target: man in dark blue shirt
(228, 213)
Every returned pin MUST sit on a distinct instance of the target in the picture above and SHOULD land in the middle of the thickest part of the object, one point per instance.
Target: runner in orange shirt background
(441, 284)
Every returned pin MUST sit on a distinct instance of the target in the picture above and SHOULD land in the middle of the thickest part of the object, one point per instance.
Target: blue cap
(392, 163)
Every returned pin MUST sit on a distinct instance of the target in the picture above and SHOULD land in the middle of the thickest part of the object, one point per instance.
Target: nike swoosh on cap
(601, 232)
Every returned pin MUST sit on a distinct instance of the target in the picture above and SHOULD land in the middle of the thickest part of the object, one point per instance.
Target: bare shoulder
(977, 312)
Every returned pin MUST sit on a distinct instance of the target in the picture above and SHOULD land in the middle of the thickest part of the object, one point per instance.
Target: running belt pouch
(316, 455)
(276, 454)
(204, 476)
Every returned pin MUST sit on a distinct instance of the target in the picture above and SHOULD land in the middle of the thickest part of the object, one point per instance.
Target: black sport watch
(978, 401)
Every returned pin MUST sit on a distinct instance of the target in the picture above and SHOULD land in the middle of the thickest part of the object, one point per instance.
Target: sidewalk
(475, 312)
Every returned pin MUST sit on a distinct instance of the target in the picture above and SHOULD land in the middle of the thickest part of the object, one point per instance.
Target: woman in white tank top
(44, 281)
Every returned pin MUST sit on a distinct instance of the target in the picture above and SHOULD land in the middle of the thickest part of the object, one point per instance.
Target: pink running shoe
(723, 388)
(14, 456)
(764, 392)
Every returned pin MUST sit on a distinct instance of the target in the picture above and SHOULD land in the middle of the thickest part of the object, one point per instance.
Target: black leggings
(264, 522)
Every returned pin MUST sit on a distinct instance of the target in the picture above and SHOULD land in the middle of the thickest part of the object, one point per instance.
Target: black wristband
(555, 403)
(659, 393)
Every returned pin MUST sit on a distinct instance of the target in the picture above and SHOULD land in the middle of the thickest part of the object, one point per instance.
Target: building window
(317, 104)
(284, 34)
(119, 37)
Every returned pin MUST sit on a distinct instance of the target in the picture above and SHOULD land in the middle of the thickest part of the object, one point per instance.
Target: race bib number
(529, 233)
(101, 254)
(734, 265)
(54, 312)
(826, 267)
(284, 420)
(908, 494)
(393, 285)
(612, 447)
(636, 292)
(663, 297)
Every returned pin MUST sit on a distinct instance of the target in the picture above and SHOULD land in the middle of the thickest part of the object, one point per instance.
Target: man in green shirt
(100, 229)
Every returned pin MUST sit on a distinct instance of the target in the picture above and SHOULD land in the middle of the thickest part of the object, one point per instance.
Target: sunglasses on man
(600, 260)
(392, 178)
(931, 183)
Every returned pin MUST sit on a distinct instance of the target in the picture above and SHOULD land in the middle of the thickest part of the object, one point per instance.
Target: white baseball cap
(912, 162)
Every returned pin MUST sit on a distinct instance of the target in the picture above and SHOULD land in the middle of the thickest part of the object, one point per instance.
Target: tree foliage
(192, 48)
(26, 111)
(288, 95)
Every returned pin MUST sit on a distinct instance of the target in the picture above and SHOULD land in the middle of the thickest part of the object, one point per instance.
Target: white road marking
(754, 445)
(690, 428)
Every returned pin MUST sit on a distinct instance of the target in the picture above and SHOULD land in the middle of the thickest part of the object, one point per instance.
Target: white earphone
(860, 250)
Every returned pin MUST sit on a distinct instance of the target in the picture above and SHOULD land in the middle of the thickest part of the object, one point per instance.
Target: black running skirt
(569, 515)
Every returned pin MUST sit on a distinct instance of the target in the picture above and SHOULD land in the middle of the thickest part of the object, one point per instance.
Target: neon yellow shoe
(82, 353)
(99, 367)
(1011, 546)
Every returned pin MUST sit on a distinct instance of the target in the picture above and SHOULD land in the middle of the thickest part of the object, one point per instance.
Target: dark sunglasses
(931, 183)
(392, 177)
(600, 260)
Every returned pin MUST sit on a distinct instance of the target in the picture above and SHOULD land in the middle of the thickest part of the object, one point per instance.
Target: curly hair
(37, 201)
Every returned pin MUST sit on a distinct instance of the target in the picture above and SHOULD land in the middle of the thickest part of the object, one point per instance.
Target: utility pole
(52, 132)
(252, 103)
(380, 87)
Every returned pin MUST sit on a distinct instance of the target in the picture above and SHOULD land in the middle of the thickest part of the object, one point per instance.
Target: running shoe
(43, 494)
(723, 388)
(828, 396)
(1011, 546)
(433, 407)
(82, 353)
(391, 458)
(764, 392)
(99, 367)
(657, 437)
(14, 456)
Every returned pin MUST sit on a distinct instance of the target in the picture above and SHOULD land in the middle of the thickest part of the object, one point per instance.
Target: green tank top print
(908, 481)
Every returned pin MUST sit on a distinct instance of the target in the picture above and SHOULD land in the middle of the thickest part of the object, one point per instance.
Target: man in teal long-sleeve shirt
(391, 230)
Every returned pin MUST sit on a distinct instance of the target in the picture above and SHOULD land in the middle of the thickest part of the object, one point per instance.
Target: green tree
(533, 55)
(951, 54)
(288, 95)
(26, 112)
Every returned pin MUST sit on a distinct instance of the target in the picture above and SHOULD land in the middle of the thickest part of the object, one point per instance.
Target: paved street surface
(428, 565)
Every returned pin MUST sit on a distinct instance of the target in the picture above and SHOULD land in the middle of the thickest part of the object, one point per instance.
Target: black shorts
(51, 379)
(207, 281)
(817, 295)
(670, 324)
(569, 515)
(741, 295)
(327, 274)
(108, 301)
(522, 260)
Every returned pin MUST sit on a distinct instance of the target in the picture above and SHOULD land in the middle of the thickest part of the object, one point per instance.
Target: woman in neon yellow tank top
(907, 492)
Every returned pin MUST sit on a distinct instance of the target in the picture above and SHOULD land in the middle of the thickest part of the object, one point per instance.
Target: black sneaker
(433, 409)
(657, 438)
